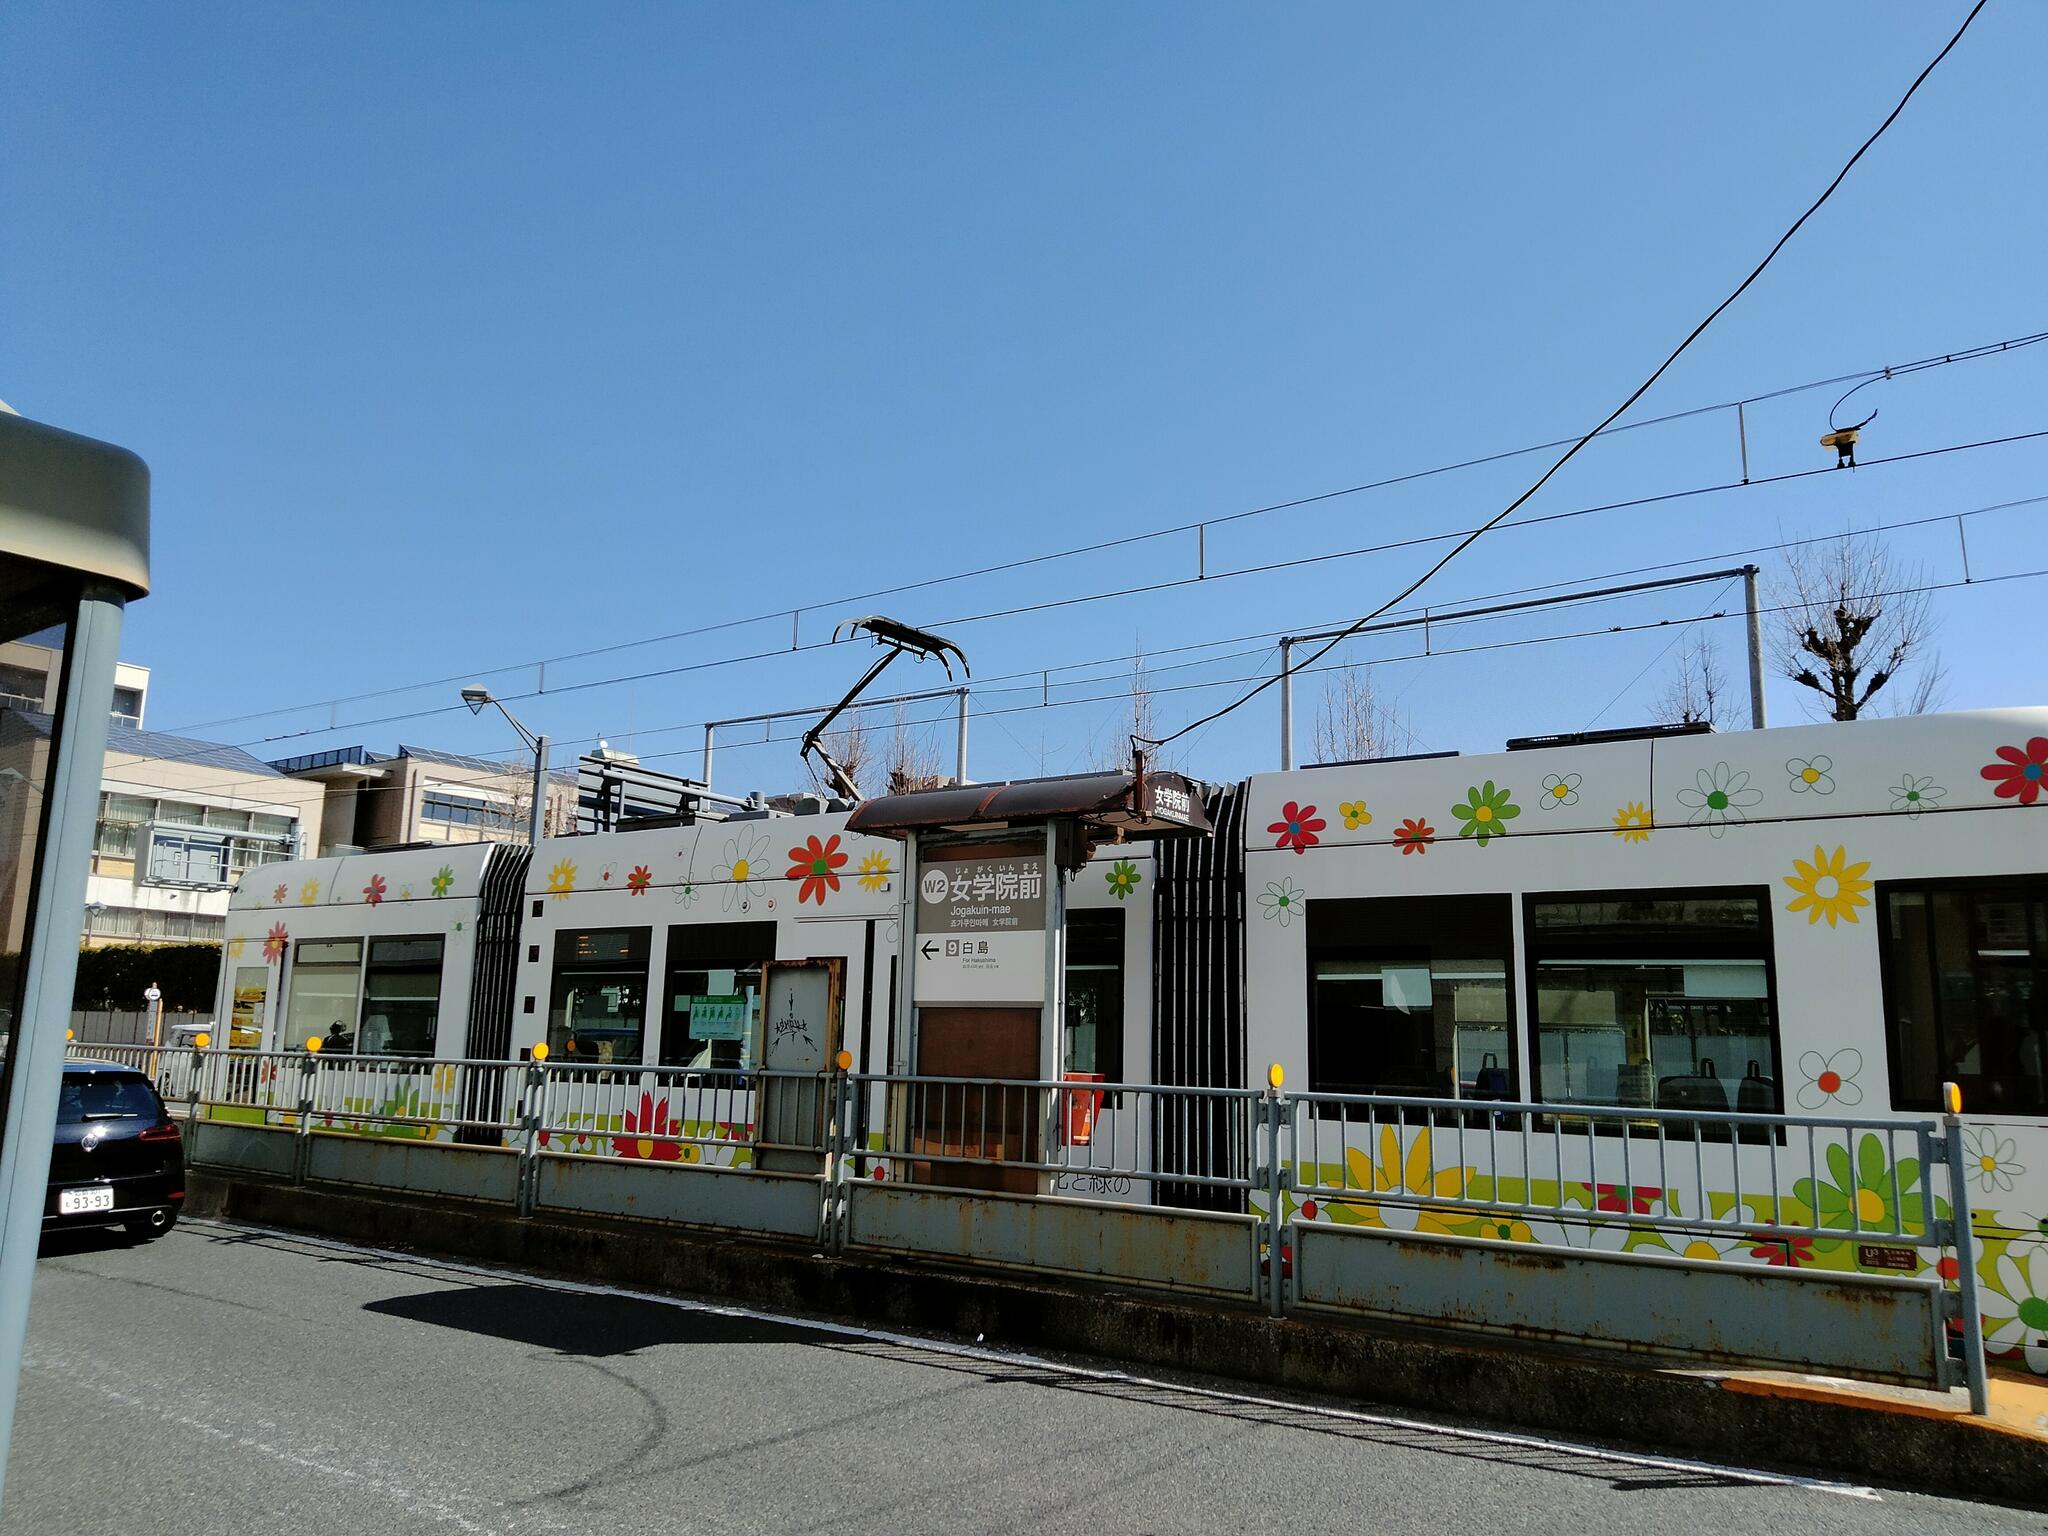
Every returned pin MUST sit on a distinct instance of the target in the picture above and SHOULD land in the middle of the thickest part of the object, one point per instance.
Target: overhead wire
(1261, 642)
(1640, 390)
(1895, 370)
(1213, 577)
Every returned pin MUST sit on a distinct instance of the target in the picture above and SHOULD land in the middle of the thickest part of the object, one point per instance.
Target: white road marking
(977, 1351)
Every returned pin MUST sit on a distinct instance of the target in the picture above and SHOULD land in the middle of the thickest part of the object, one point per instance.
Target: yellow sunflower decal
(1632, 823)
(235, 947)
(1830, 887)
(309, 893)
(874, 871)
(1355, 814)
(562, 879)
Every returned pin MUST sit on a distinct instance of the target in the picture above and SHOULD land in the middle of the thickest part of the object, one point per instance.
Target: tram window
(597, 1013)
(1095, 994)
(1966, 992)
(1409, 996)
(712, 1006)
(401, 997)
(1654, 1000)
(325, 984)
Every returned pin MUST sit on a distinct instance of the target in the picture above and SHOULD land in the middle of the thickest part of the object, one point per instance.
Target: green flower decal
(1123, 878)
(444, 877)
(1874, 1196)
(1485, 813)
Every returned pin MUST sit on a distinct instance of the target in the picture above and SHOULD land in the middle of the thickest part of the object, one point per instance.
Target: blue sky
(460, 336)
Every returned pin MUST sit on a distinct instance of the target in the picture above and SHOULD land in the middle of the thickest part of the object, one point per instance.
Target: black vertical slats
(1198, 1009)
(496, 975)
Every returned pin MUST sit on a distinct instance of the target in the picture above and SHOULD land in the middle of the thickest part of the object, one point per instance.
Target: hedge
(115, 976)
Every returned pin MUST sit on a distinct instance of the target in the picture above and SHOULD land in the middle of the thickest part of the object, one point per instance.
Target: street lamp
(476, 698)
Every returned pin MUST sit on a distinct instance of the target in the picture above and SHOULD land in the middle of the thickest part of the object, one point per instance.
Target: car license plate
(77, 1202)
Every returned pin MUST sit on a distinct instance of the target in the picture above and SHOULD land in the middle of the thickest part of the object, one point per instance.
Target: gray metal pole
(538, 829)
(1966, 1251)
(1756, 648)
(709, 732)
(960, 755)
(71, 795)
(1286, 705)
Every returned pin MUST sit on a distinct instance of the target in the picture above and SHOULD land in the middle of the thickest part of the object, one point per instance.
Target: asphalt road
(230, 1380)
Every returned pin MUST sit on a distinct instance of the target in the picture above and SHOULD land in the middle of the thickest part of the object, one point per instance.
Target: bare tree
(850, 749)
(912, 760)
(1849, 623)
(1352, 724)
(1142, 725)
(1697, 687)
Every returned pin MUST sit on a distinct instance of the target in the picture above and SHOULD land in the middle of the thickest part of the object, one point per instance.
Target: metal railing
(1703, 1188)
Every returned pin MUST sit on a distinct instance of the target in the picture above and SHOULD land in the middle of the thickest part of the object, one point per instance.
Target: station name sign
(980, 929)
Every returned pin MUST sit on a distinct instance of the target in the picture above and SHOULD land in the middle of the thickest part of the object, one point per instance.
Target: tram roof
(1153, 804)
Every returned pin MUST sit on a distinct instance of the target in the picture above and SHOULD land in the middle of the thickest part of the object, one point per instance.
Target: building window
(455, 809)
(1409, 996)
(1095, 994)
(597, 1014)
(1654, 1000)
(713, 997)
(1966, 992)
(401, 997)
(321, 997)
(128, 706)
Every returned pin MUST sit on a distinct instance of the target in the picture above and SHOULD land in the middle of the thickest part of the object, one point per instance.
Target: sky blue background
(459, 336)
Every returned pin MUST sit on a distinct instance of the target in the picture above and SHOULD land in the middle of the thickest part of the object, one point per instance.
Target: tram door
(1000, 1124)
(803, 1001)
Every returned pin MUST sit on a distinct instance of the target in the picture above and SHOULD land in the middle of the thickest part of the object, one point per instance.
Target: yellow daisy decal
(1632, 823)
(309, 893)
(562, 879)
(235, 947)
(1829, 887)
(1355, 814)
(874, 871)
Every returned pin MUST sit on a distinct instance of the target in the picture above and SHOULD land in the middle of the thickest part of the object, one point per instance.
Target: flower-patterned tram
(1830, 920)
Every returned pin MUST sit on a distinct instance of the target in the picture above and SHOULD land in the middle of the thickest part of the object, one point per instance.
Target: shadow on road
(67, 1242)
(592, 1326)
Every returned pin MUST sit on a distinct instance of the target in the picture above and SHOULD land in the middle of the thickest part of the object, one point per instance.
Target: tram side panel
(1822, 920)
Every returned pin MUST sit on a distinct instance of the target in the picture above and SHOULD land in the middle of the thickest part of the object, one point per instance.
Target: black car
(118, 1159)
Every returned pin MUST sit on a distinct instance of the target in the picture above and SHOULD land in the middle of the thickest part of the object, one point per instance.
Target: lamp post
(476, 698)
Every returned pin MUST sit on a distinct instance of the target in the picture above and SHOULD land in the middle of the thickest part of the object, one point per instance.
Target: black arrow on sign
(928, 949)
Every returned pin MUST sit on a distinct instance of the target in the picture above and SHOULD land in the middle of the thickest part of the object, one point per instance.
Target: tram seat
(1703, 1089)
(1756, 1094)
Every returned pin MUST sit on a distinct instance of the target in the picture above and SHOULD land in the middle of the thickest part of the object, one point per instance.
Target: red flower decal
(1782, 1252)
(1297, 827)
(278, 895)
(652, 1121)
(273, 947)
(1415, 836)
(638, 881)
(1635, 1199)
(816, 864)
(2021, 775)
(374, 891)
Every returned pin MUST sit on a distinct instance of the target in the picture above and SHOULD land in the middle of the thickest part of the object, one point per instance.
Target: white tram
(1830, 919)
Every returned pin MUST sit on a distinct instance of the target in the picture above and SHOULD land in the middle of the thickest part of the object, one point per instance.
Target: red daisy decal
(1634, 1199)
(273, 947)
(374, 891)
(1782, 1252)
(640, 878)
(277, 896)
(1297, 827)
(1415, 835)
(817, 865)
(2020, 774)
(652, 1121)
